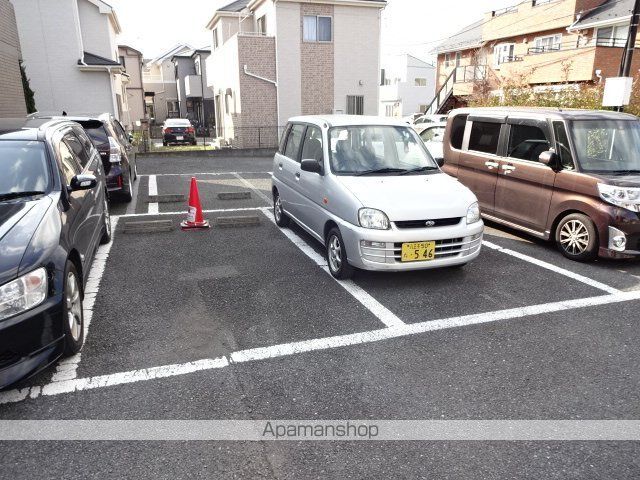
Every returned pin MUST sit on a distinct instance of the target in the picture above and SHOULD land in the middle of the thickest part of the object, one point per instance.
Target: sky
(408, 26)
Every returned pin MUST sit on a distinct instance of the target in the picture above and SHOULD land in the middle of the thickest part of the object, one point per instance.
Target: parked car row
(57, 178)
(372, 192)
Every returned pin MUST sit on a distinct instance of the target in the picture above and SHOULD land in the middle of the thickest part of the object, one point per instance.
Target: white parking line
(68, 368)
(318, 344)
(249, 185)
(553, 268)
(383, 314)
(218, 210)
(202, 174)
(154, 208)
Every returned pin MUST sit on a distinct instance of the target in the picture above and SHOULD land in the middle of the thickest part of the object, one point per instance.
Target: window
(68, 163)
(355, 105)
(433, 134)
(85, 141)
(421, 82)
(312, 147)
(458, 58)
(317, 28)
(122, 62)
(262, 25)
(527, 142)
(388, 110)
(293, 142)
(283, 140)
(422, 108)
(503, 53)
(382, 77)
(447, 60)
(615, 36)
(196, 64)
(457, 131)
(562, 146)
(547, 44)
(173, 109)
(77, 148)
(215, 38)
(484, 137)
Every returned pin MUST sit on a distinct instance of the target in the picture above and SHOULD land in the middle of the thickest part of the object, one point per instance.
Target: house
(12, 101)
(272, 60)
(195, 98)
(541, 43)
(134, 110)
(406, 85)
(70, 55)
(160, 90)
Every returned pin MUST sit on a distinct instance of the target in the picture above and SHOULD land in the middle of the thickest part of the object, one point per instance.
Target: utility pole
(627, 56)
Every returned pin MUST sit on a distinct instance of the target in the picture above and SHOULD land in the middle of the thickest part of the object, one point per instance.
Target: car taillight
(191, 130)
(115, 152)
(167, 130)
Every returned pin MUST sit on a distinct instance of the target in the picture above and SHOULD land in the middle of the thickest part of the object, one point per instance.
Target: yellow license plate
(418, 251)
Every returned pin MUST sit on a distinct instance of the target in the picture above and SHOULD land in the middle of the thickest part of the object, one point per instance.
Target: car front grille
(447, 248)
(440, 222)
(8, 358)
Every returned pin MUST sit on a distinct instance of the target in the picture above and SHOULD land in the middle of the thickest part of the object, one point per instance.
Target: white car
(367, 189)
(426, 119)
(432, 134)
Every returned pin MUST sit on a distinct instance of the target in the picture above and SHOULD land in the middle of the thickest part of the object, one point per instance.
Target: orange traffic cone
(194, 215)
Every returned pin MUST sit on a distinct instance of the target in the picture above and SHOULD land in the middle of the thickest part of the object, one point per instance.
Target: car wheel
(337, 256)
(72, 314)
(106, 226)
(164, 144)
(278, 213)
(577, 237)
(127, 192)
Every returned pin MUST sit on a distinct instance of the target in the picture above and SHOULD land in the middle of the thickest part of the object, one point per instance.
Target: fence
(215, 138)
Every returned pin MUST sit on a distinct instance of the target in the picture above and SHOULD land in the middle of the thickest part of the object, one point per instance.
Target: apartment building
(272, 60)
(541, 43)
(12, 102)
(407, 84)
(133, 105)
(160, 88)
(70, 55)
(195, 97)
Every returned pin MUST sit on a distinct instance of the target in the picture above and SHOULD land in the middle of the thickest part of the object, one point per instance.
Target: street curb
(239, 221)
(150, 226)
(234, 196)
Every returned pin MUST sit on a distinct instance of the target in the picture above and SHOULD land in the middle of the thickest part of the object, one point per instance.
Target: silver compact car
(370, 192)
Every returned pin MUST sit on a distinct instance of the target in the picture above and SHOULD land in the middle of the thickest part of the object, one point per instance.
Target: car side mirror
(440, 162)
(310, 165)
(549, 158)
(83, 182)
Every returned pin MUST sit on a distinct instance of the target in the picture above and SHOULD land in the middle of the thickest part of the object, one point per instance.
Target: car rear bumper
(186, 138)
(455, 245)
(31, 341)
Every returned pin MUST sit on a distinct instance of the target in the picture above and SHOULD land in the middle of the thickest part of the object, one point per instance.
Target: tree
(28, 93)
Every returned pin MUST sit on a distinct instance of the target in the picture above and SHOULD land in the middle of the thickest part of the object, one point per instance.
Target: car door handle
(492, 165)
(280, 165)
(508, 169)
(298, 176)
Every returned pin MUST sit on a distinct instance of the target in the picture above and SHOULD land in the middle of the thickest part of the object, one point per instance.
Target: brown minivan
(568, 175)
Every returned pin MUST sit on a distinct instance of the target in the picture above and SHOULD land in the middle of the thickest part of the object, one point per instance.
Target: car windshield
(434, 134)
(24, 167)
(384, 150)
(177, 123)
(607, 146)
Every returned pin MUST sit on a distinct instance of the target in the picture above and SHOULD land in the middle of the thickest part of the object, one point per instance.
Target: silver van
(368, 190)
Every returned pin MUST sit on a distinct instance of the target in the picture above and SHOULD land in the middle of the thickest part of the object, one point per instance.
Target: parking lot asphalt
(521, 333)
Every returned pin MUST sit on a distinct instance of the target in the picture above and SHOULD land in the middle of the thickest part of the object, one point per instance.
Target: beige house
(133, 106)
(12, 103)
(543, 43)
(160, 90)
(272, 60)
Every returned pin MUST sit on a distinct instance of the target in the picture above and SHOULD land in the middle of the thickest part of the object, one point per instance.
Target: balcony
(193, 86)
(552, 66)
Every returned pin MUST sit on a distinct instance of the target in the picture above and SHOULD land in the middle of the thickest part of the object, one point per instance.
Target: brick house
(12, 102)
(272, 60)
(542, 43)
(71, 56)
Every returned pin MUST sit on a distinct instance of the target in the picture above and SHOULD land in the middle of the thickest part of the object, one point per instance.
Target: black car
(178, 130)
(116, 151)
(53, 215)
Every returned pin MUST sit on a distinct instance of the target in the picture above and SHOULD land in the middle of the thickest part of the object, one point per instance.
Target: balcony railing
(543, 49)
(611, 42)
(470, 73)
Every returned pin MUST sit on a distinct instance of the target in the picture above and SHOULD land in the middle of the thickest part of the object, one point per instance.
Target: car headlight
(23, 294)
(625, 197)
(372, 218)
(473, 213)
